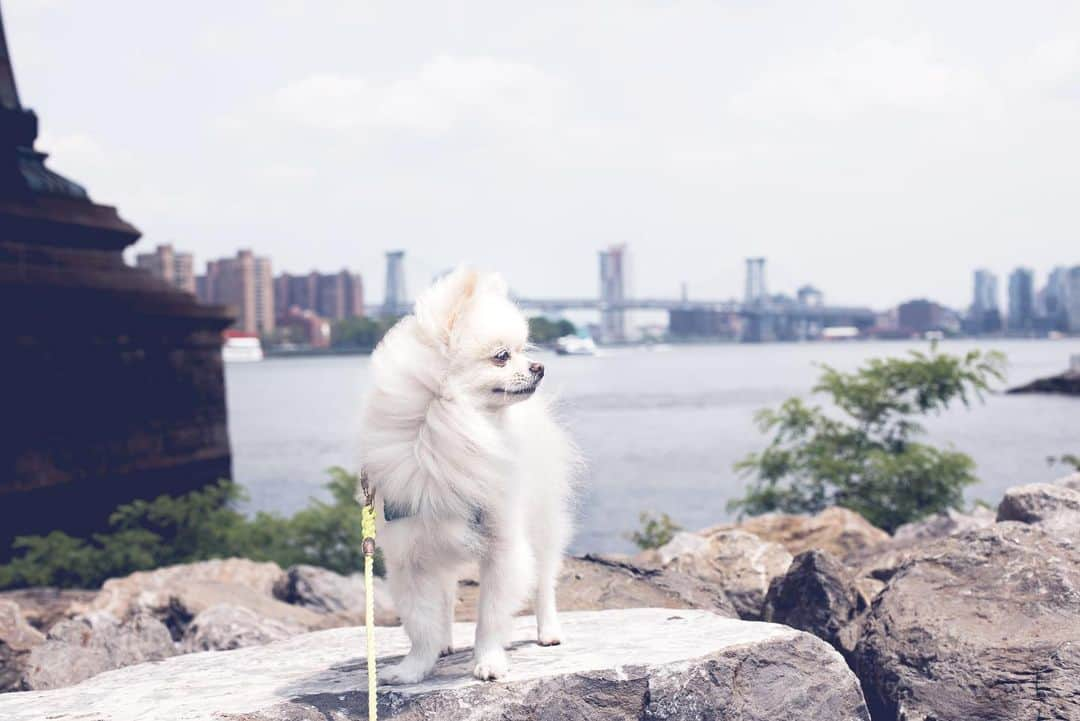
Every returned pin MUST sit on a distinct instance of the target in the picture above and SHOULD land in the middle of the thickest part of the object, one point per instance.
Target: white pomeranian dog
(467, 465)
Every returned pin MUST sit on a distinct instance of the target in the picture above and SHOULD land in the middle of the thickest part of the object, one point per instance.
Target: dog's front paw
(405, 672)
(491, 666)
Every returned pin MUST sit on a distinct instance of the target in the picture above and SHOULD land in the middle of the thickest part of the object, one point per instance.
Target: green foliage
(654, 532)
(860, 454)
(197, 526)
(543, 330)
(360, 332)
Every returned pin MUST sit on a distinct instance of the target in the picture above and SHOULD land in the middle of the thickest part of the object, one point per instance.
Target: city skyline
(879, 152)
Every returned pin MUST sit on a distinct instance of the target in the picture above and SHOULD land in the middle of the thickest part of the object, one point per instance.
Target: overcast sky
(879, 150)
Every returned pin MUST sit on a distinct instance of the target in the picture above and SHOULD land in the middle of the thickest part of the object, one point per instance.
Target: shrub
(196, 526)
(860, 454)
(542, 330)
(654, 532)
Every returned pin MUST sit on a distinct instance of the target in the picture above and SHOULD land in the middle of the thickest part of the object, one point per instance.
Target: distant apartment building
(1054, 302)
(921, 315)
(334, 296)
(985, 314)
(244, 284)
(304, 327)
(1021, 318)
(1072, 301)
(165, 263)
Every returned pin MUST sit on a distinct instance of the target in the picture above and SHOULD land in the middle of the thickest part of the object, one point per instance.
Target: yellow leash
(367, 525)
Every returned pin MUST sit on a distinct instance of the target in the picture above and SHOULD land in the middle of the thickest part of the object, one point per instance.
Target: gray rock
(1070, 481)
(738, 563)
(17, 639)
(224, 627)
(83, 647)
(981, 625)
(324, 591)
(944, 524)
(42, 606)
(143, 590)
(597, 582)
(836, 530)
(628, 664)
(815, 595)
(1054, 507)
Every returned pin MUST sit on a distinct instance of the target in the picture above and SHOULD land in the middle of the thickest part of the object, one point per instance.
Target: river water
(660, 429)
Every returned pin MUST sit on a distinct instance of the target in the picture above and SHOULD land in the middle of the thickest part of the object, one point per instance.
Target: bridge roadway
(793, 310)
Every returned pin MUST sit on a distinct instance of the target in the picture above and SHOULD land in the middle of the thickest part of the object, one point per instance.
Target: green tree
(196, 526)
(544, 330)
(654, 531)
(860, 453)
(360, 332)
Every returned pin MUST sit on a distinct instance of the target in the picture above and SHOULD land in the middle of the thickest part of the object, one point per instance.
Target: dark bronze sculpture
(111, 381)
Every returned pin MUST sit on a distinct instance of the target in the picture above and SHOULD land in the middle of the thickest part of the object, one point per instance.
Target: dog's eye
(501, 357)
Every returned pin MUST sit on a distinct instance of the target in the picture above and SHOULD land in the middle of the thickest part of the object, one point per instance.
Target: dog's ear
(440, 306)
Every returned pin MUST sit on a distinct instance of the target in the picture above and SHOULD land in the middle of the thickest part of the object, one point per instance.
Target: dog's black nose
(537, 369)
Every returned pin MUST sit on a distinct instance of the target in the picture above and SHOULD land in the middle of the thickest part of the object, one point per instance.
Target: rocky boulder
(1070, 481)
(979, 625)
(943, 524)
(815, 595)
(17, 639)
(43, 606)
(835, 530)
(736, 563)
(224, 627)
(1054, 507)
(123, 597)
(628, 664)
(83, 647)
(324, 591)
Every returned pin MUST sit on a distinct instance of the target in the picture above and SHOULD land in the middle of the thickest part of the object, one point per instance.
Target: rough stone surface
(185, 603)
(739, 564)
(43, 606)
(815, 595)
(943, 524)
(835, 530)
(595, 582)
(324, 591)
(122, 597)
(17, 638)
(629, 664)
(1070, 481)
(83, 647)
(1054, 507)
(980, 625)
(224, 627)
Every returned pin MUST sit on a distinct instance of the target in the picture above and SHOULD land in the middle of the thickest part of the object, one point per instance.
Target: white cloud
(445, 93)
(876, 73)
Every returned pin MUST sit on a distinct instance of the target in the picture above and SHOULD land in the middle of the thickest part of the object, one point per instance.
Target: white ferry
(241, 348)
(575, 345)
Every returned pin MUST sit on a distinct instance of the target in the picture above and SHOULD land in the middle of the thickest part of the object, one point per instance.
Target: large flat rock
(619, 664)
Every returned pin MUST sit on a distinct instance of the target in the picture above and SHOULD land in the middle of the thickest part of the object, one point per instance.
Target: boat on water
(575, 345)
(241, 348)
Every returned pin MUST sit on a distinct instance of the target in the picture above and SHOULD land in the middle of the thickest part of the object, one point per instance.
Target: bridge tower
(755, 281)
(613, 272)
(758, 323)
(395, 301)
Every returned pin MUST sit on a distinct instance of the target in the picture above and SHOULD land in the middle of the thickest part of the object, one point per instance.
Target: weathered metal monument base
(111, 381)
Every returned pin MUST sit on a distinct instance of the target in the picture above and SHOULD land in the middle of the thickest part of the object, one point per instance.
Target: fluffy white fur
(453, 428)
